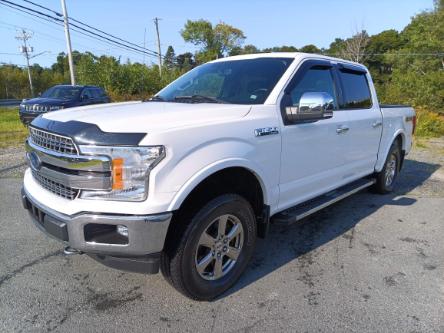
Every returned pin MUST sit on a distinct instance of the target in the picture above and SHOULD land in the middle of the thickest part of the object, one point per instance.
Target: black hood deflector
(86, 133)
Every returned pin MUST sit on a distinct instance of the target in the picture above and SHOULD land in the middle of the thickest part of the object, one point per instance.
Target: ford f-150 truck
(186, 181)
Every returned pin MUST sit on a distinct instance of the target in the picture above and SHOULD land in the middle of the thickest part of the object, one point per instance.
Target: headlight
(130, 170)
(55, 107)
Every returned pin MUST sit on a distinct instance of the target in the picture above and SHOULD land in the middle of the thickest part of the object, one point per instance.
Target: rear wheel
(214, 249)
(385, 179)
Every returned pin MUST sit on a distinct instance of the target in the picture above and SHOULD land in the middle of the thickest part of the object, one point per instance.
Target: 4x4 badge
(266, 131)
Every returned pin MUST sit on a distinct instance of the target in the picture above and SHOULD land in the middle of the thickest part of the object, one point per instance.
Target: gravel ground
(12, 162)
(370, 263)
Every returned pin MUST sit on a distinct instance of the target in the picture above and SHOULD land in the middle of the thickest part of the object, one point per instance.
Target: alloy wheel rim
(390, 170)
(219, 247)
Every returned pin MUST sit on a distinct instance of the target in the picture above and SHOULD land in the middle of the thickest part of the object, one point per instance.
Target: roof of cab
(295, 55)
(76, 86)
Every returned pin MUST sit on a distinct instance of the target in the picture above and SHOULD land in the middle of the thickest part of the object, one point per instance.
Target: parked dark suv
(61, 97)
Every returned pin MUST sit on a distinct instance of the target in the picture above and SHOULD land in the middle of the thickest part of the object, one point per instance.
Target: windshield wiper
(154, 99)
(198, 99)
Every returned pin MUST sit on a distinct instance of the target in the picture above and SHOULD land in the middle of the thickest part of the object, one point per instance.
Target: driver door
(86, 97)
(313, 158)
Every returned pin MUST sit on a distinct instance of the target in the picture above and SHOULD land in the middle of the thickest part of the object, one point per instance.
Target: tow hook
(70, 251)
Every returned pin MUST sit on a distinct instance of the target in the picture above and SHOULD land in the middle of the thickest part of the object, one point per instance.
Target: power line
(59, 21)
(143, 49)
(48, 37)
(91, 27)
(10, 64)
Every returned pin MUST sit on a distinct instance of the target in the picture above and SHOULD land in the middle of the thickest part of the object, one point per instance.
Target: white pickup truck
(187, 180)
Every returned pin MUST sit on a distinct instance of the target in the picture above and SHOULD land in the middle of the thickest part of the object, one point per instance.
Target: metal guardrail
(10, 102)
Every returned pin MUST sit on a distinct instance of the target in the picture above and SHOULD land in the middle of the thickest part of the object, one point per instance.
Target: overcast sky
(265, 23)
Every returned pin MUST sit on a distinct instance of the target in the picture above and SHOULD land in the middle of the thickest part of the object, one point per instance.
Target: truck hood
(149, 116)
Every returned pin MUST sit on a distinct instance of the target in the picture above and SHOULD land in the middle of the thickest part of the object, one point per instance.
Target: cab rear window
(356, 90)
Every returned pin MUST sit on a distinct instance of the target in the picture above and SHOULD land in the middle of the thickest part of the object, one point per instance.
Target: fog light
(122, 230)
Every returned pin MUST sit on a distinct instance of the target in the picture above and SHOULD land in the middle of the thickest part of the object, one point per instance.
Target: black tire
(383, 184)
(179, 260)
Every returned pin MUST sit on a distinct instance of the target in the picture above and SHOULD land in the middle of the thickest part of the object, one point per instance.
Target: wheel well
(230, 180)
(236, 180)
(400, 141)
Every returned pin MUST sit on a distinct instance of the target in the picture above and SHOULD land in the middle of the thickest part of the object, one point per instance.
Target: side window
(356, 90)
(316, 79)
(95, 93)
(87, 94)
(98, 93)
(101, 92)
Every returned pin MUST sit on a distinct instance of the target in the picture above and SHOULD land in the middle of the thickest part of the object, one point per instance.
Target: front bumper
(140, 251)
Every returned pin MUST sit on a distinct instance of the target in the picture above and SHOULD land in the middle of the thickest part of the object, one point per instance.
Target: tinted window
(62, 92)
(248, 81)
(356, 90)
(96, 93)
(316, 79)
(100, 92)
(87, 93)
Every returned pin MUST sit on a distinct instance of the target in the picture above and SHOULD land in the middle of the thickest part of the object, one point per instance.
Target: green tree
(418, 66)
(170, 58)
(215, 41)
(283, 48)
(185, 61)
(247, 49)
(310, 49)
(336, 47)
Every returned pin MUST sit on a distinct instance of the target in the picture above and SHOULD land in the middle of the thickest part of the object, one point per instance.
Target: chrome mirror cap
(312, 106)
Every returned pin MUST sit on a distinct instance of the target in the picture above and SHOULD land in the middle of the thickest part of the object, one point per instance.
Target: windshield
(248, 81)
(62, 92)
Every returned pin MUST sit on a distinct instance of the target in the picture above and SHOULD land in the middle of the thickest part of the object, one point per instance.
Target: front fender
(190, 166)
(208, 170)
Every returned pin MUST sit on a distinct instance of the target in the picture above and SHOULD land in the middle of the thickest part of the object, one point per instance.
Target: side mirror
(84, 97)
(313, 106)
(39, 94)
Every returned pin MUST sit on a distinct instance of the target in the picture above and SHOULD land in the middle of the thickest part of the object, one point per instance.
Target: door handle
(342, 129)
(377, 124)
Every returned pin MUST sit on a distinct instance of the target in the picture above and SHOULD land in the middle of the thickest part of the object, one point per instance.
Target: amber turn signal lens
(117, 173)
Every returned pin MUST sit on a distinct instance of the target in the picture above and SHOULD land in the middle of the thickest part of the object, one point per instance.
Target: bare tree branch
(354, 47)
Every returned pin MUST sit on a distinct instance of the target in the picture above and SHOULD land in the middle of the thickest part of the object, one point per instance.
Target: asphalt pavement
(371, 263)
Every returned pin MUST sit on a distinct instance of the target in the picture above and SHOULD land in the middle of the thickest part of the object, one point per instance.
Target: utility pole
(156, 23)
(68, 42)
(144, 44)
(26, 50)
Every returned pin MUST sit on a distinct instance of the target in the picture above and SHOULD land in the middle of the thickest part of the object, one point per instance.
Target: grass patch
(12, 131)
(420, 142)
(429, 124)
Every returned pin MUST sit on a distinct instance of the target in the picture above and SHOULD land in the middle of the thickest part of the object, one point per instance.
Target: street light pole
(68, 42)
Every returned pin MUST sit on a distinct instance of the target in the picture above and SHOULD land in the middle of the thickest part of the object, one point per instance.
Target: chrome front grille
(37, 108)
(55, 187)
(57, 166)
(54, 142)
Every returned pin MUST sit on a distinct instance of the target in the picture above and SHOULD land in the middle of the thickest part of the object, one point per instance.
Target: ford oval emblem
(34, 161)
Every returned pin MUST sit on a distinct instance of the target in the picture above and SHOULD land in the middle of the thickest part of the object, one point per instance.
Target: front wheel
(214, 249)
(385, 179)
